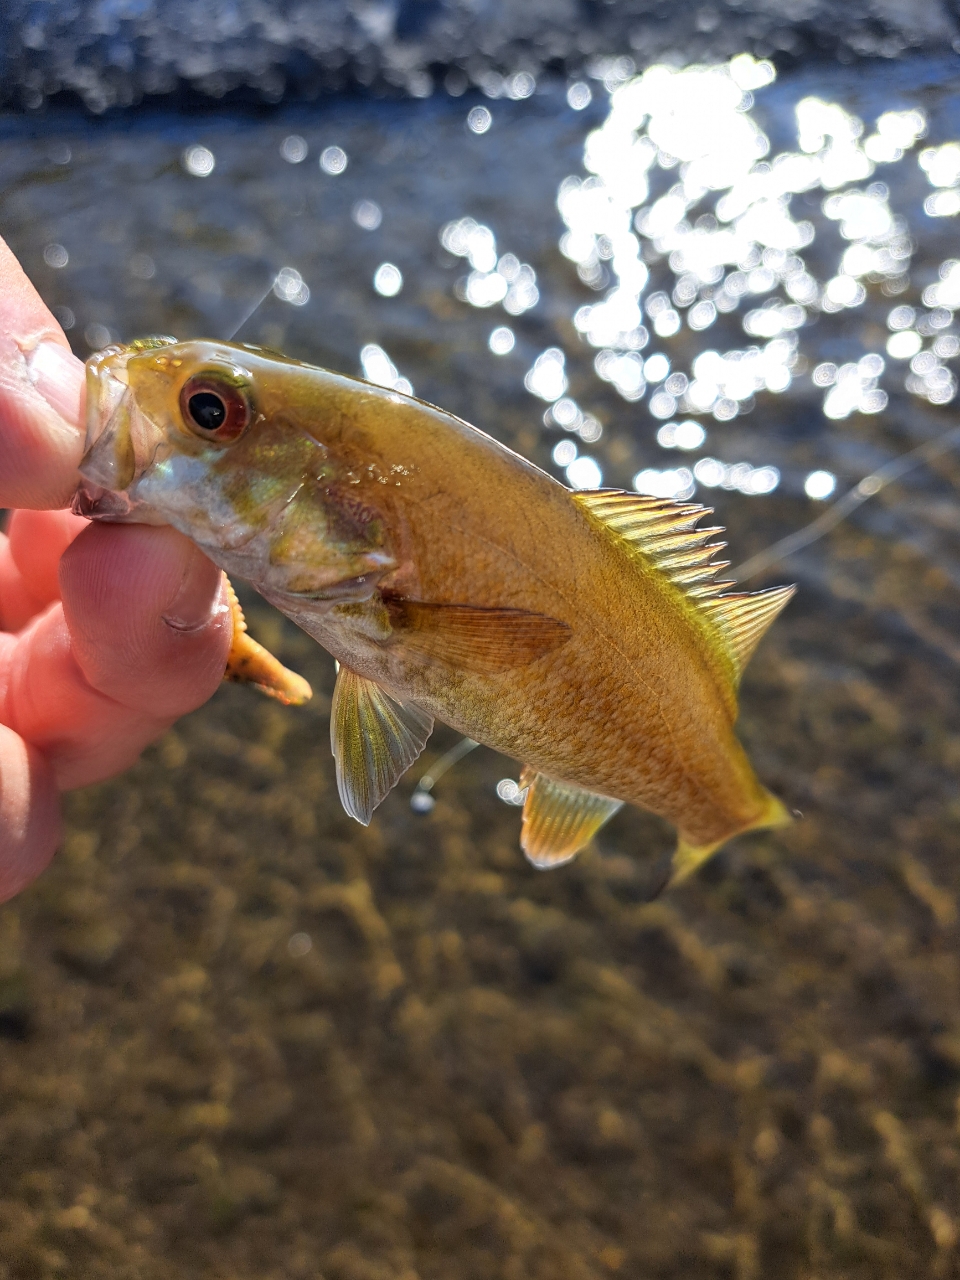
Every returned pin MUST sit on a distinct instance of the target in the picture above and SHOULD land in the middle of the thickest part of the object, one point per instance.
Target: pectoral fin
(250, 663)
(375, 739)
(474, 638)
(558, 820)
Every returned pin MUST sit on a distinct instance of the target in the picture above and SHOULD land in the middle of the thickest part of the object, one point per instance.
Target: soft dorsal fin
(666, 532)
(375, 739)
(743, 617)
(558, 820)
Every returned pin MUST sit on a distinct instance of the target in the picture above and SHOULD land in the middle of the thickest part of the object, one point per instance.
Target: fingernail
(198, 597)
(58, 375)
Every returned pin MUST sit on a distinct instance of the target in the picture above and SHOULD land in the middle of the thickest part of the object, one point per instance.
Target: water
(244, 1033)
(115, 52)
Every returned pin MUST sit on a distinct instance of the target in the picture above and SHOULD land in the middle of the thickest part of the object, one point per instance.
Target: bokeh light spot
(387, 280)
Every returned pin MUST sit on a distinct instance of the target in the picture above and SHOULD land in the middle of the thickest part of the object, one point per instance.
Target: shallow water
(244, 1036)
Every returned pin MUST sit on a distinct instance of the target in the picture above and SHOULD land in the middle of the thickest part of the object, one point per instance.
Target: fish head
(225, 442)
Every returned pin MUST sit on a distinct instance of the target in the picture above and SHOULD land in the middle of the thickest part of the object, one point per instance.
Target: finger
(141, 637)
(16, 604)
(29, 813)
(83, 734)
(41, 393)
(29, 561)
(148, 617)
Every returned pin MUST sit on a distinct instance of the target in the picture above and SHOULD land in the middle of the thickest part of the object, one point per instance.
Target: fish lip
(108, 506)
(96, 503)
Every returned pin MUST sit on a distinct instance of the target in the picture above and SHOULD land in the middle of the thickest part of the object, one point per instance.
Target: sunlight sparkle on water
(510, 792)
(904, 345)
(750, 480)
(566, 413)
(624, 369)
(684, 220)
(946, 293)
(941, 164)
(504, 279)
(676, 483)
(294, 149)
(289, 286)
(584, 473)
(681, 435)
(579, 95)
(199, 161)
(501, 341)
(819, 485)
(367, 214)
(479, 119)
(853, 387)
(656, 367)
(380, 369)
(547, 377)
(696, 122)
(519, 86)
(387, 280)
(333, 160)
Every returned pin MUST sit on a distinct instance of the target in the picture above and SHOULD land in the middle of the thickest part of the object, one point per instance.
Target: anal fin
(558, 819)
(250, 663)
(375, 739)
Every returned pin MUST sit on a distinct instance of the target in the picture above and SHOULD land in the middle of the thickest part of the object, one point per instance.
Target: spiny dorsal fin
(558, 820)
(666, 532)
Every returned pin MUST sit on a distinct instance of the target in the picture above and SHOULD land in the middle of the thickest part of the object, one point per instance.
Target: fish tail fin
(688, 857)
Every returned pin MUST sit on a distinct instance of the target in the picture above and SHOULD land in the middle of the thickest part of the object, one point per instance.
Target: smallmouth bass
(584, 634)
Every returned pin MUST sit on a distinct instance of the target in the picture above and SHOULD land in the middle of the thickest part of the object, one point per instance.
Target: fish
(588, 635)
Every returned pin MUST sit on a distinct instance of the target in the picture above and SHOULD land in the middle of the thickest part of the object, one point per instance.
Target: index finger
(41, 395)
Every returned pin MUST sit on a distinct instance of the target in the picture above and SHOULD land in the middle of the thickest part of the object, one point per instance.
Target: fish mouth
(120, 442)
(94, 503)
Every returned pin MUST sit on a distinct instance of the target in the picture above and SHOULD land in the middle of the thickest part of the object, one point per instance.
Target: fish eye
(214, 407)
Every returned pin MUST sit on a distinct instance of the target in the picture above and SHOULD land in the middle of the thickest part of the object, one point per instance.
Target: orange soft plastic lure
(585, 634)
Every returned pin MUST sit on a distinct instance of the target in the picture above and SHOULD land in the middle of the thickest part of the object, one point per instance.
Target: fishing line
(868, 487)
(256, 307)
(422, 801)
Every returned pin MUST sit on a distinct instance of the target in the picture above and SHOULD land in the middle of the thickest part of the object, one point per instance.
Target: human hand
(108, 633)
